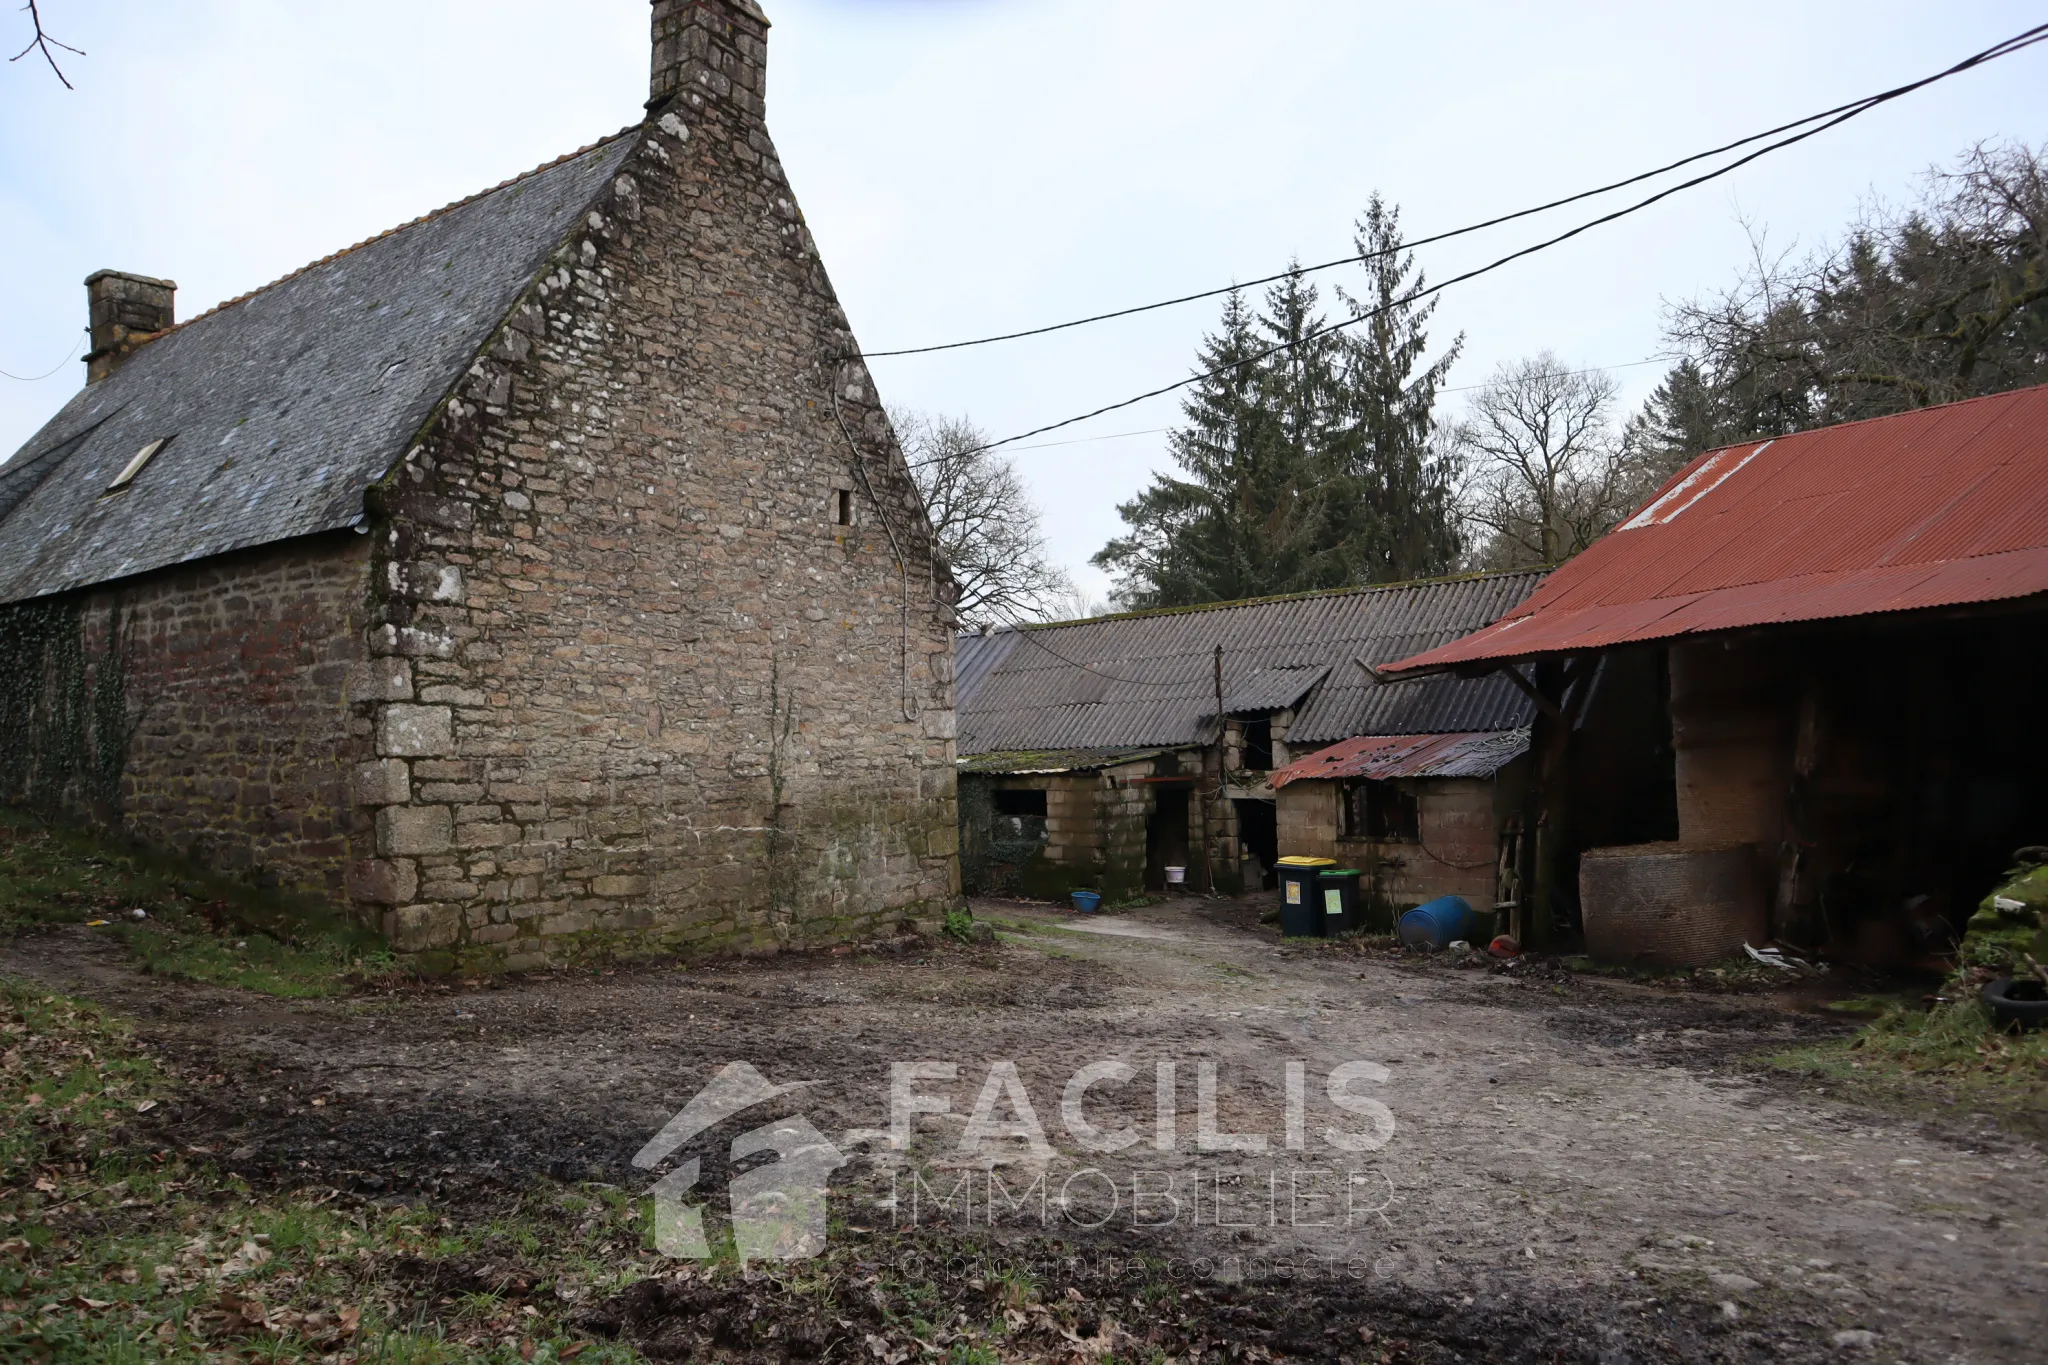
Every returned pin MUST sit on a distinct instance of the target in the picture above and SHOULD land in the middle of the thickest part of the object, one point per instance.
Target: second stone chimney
(716, 50)
(126, 311)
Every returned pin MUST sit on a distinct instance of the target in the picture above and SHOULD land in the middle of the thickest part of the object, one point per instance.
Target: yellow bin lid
(1308, 862)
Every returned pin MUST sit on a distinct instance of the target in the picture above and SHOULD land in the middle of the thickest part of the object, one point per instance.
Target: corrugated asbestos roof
(1149, 679)
(1386, 756)
(283, 407)
(1043, 762)
(1274, 689)
(1942, 507)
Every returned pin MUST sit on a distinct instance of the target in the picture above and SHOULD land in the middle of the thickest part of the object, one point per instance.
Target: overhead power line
(37, 378)
(1849, 110)
(1161, 431)
(2011, 45)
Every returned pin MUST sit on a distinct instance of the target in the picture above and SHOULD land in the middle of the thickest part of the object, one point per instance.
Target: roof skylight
(136, 465)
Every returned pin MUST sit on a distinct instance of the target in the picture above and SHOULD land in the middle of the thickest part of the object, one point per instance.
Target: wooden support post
(1208, 834)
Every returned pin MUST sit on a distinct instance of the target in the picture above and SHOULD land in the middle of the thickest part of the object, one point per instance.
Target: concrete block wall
(1124, 807)
(1456, 856)
(1307, 816)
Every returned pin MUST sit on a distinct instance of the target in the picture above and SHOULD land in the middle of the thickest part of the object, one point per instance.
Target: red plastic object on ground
(1504, 948)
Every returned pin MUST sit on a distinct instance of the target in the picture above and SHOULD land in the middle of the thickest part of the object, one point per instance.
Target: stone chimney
(126, 311)
(711, 50)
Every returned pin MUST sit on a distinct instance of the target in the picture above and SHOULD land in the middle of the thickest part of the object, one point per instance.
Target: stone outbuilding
(1102, 754)
(1421, 816)
(539, 579)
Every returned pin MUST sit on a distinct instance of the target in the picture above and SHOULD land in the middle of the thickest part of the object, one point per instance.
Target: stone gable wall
(204, 709)
(637, 687)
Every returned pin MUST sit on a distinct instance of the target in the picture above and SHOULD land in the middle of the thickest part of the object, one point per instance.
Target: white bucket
(1176, 876)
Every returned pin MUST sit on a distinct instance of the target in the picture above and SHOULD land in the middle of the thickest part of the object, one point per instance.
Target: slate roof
(1148, 679)
(284, 406)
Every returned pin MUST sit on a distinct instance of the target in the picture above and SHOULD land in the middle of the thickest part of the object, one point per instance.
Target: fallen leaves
(248, 1258)
(235, 1314)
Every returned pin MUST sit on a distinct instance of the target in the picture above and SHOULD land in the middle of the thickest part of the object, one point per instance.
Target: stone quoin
(498, 577)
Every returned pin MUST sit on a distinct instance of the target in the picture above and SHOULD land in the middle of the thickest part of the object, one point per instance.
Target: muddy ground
(1576, 1169)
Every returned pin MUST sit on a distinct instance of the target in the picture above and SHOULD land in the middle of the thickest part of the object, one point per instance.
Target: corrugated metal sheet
(1387, 756)
(1149, 679)
(1943, 507)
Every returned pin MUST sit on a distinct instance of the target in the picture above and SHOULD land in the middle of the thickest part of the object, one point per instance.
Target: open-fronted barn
(1850, 626)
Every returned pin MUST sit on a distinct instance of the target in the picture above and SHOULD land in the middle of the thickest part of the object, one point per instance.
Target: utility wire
(1160, 431)
(2024, 40)
(1851, 109)
(38, 378)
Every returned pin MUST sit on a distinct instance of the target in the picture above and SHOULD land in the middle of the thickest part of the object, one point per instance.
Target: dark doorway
(1258, 831)
(1166, 837)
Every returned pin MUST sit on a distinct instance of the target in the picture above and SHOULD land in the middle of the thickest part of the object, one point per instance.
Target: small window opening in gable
(136, 465)
(843, 501)
(1258, 746)
(1381, 812)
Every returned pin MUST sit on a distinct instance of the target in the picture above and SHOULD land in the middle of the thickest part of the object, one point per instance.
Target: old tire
(2017, 1004)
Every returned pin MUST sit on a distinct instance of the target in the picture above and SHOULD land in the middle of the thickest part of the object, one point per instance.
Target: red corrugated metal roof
(1943, 507)
(1385, 756)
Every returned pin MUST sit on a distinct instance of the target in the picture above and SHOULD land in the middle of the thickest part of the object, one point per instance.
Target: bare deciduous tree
(983, 520)
(1546, 473)
(43, 42)
(1946, 299)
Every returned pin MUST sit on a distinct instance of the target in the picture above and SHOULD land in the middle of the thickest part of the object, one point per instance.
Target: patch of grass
(113, 1253)
(193, 925)
(1940, 1060)
(1738, 976)
(1861, 1005)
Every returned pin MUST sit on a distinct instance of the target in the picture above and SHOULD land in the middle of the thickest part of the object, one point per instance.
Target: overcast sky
(979, 165)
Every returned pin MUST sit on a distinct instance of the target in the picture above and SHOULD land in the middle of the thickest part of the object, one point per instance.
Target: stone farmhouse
(540, 579)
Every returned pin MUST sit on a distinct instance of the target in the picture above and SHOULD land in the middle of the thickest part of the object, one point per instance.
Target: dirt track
(1584, 1147)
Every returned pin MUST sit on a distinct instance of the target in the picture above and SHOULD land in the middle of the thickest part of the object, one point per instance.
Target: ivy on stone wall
(992, 859)
(63, 709)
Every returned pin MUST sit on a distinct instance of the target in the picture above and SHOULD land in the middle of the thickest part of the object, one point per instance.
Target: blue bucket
(1444, 920)
(1087, 902)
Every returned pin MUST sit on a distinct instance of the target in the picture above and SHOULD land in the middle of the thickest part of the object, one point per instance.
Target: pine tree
(1407, 525)
(1231, 526)
(1680, 419)
(1306, 454)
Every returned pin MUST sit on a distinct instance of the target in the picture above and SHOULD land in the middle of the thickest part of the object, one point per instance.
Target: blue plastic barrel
(1087, 902)
(1444, 920)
